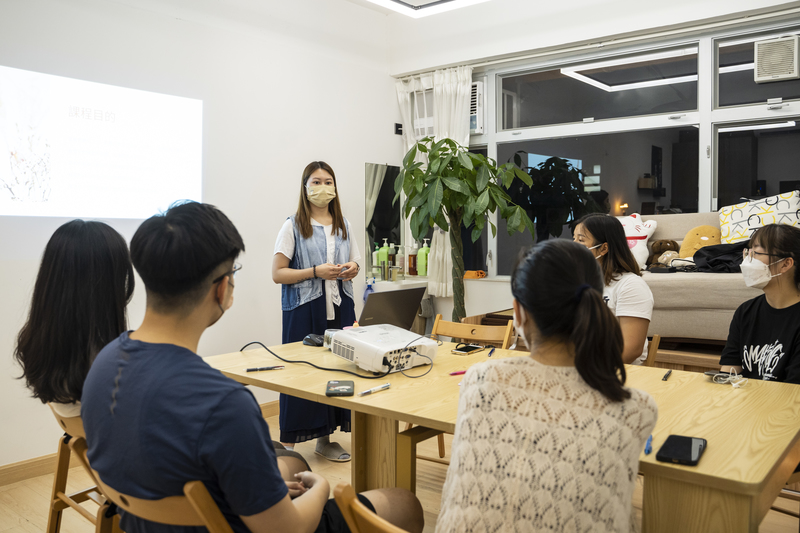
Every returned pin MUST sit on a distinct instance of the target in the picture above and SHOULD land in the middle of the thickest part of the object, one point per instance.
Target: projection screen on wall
(71, 148)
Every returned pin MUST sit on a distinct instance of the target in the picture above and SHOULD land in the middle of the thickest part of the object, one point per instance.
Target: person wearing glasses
(764, 338)
(625, 292)
(315, 260)
(84, 284)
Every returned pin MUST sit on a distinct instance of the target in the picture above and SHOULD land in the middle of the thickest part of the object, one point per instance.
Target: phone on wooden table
(465, 349)
(682, 450)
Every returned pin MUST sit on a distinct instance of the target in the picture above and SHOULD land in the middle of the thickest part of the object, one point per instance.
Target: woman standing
(549, 442)
(625, 292)
(84, 284)
(764, 339)
(315, 260)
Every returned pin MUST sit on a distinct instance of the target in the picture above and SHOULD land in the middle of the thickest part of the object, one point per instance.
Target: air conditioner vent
(776, 59)
(476, 109)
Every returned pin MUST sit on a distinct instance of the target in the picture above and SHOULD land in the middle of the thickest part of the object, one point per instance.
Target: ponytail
(560, 286)
(598, 343)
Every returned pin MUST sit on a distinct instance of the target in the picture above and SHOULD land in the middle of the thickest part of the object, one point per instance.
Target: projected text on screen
(72, 148)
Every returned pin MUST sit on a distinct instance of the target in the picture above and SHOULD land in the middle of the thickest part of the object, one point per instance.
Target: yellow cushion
(738, 222)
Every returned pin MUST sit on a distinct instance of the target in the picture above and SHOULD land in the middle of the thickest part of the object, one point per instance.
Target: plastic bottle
(375, 256)
(412, 259)
(383, 260)
(422, 258)
(392, 254)
(400, 260)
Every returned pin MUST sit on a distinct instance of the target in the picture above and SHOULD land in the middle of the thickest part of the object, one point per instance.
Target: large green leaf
(418, 199)
(410, 156)
(515, 220)
(455, 184)
(433, 168)
(441, 220)
(476, 233)
(524, 176)
(494, 229)
(482, 203)
(465, 161)
(483, 178)
(419, 183)
(435, 196)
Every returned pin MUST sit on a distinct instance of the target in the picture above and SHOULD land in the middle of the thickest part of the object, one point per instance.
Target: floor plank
(24, 505)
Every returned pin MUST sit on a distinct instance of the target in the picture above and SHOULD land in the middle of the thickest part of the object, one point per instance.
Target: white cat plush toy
(637, 232)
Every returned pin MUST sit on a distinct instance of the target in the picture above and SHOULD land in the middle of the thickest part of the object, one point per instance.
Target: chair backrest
(72, 425)
(499, 336)
(195, 508)
(652, 350)
(359, 518)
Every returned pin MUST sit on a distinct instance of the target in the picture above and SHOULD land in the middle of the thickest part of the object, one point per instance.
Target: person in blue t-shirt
(156, 415)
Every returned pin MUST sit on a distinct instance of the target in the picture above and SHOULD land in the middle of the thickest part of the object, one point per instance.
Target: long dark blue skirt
(302, 420)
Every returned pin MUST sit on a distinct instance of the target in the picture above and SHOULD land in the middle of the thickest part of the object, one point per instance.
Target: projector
(383, 348)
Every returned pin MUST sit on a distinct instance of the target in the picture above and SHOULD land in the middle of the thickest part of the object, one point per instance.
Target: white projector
(383, 348)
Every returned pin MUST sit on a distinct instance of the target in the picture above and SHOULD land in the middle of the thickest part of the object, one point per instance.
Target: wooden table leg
(374, 444)
(407, 455)
(670, 506)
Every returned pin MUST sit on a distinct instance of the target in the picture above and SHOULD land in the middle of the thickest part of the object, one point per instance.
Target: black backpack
(720, 257)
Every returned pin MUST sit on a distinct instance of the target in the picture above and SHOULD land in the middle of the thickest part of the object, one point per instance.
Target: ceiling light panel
(423, 8)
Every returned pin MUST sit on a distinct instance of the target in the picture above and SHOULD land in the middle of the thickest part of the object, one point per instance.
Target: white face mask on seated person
(756, 274)
(320, 195)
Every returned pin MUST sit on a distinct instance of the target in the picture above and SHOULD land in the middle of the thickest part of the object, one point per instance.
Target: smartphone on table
(682, 450)
(465, 349)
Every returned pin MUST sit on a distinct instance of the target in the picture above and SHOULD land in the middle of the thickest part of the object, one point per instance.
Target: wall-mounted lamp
(624, 209)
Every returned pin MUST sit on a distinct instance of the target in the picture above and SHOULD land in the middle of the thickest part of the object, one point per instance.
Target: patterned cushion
(738, 222)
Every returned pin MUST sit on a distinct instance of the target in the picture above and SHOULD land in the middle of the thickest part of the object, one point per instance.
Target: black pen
(666, 376)
(279, 367)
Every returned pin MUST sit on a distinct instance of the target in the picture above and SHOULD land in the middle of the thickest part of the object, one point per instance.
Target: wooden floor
(24, 505)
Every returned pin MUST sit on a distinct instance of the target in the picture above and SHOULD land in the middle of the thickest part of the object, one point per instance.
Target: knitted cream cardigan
(537, 449)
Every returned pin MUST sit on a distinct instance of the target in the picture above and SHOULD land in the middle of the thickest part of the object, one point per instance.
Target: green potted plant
(458, 187)
(553, 197)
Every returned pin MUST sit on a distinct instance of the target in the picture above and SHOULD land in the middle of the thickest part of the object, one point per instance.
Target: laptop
(398, 308)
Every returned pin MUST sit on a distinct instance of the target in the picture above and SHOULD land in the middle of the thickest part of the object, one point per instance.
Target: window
(645, 84)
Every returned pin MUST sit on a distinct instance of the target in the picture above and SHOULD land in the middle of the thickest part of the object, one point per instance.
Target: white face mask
(756, 274)
(520, 327)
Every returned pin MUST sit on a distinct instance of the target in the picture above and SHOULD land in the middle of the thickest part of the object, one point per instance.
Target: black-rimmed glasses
(232, 273)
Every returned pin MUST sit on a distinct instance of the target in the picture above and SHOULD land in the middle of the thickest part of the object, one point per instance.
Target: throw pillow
(637, 232)
(697, 238)
(738, 222)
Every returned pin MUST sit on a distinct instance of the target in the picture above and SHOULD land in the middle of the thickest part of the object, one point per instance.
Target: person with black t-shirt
(764, 338)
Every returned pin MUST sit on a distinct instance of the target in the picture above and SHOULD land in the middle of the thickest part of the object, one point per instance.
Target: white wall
(505, 27)
(281, 86)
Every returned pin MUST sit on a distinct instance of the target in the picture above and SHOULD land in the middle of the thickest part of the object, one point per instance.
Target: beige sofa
(693, 305)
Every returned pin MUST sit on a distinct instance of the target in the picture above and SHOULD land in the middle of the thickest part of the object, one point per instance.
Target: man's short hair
(176, 252)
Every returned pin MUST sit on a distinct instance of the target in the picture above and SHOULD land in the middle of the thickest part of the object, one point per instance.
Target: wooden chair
(195, 508)
(652, 350)
(499, 336)
(106, 519)
(357, 515)
(790, 494)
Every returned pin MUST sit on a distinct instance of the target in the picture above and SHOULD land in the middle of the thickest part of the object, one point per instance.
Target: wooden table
(753, 433)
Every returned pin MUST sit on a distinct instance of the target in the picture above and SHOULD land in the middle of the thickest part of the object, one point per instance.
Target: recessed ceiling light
(418, 9)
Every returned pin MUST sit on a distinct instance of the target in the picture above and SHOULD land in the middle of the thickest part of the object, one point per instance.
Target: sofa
(695, 306)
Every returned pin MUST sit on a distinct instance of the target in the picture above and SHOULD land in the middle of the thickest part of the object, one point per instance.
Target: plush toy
(637, 232)
(667, 257)
(659, 247)
(699, 237)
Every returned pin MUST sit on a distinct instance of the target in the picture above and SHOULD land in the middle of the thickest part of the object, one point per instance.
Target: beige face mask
(321, 195)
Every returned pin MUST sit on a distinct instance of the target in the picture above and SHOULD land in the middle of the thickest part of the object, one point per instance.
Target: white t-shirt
(285, 245)
(630, 296)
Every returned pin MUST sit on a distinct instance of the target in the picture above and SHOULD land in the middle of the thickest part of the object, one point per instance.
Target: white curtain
(375, 175)
(437, 104)
(440, 265)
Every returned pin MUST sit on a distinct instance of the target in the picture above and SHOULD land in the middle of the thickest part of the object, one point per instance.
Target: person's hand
(296, 488)
(328, 271)
(308, 479)
(350, 272)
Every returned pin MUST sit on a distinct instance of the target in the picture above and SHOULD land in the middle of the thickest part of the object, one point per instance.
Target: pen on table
(648, 446)
(259, 369)
(491, 351)
(666, 376)
(376, 389)
(457, 373)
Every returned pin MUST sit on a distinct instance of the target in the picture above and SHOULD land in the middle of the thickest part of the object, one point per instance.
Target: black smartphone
(339, 388)
(682, 450)
(468, 349)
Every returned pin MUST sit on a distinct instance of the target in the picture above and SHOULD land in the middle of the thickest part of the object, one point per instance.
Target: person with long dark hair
(550, 441)
(624, 290)
(84, 284)
(764, 338)
(315, 260)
